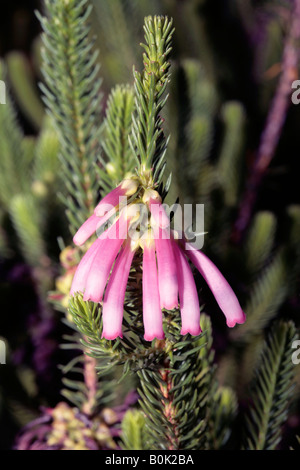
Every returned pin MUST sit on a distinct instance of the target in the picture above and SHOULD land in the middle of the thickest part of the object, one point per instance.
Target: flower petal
(82, 271)
(110, 244)
(112, 199)
(90, 226)
(220, 288)
(167, 272)
(152, 314)
(113, 305)
(189, 301)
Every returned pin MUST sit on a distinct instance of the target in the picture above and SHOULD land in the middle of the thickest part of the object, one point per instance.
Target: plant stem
(168, 410)
(274, 124)
(90, 380)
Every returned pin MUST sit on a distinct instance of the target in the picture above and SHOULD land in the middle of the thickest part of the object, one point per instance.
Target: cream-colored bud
(132, 212)
(131, 186)
(151, 194)
(110, 169)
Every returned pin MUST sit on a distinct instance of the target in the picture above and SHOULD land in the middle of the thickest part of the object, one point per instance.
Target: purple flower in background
(66, 428)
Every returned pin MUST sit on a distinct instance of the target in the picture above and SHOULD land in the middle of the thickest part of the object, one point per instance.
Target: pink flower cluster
(168, 282)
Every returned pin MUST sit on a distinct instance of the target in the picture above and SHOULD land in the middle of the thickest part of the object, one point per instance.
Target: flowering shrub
(112, 325)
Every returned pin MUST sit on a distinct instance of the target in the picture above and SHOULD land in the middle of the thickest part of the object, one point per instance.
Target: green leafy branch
(176, 375)
(72, 95)
(272, 389)
(119, 160)
(176, 397)
(147, 141)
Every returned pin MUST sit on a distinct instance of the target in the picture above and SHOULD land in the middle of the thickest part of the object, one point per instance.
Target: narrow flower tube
(90, 226)
(220, 288)
(110, 243)
(82, 271)
(113, 305)
(152, 314)
(188, 296)
(126, 188)
(167, 272)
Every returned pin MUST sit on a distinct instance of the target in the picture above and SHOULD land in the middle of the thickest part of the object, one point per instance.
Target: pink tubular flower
(113, 304)
(90, 226)
(189, 302)
(103, 272)
(104, 210)
(94, 269)
(126, 188)
(167, 271)
(152, 314)
(82, 271)
(220, 288)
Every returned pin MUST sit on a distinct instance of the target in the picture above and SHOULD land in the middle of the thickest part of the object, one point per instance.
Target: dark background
(235, 56)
